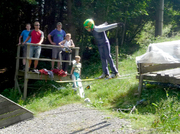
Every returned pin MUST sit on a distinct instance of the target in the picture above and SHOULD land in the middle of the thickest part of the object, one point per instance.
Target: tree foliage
(72, 13)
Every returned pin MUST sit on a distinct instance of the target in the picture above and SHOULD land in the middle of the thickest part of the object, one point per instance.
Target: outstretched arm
(104, 27)
(104, 24)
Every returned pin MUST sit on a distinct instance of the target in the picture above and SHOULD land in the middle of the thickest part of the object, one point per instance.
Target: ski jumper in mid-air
(103, 45)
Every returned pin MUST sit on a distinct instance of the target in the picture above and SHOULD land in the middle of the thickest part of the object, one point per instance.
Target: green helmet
(88, 23)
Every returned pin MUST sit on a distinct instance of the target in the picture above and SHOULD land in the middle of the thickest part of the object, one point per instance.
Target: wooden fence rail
(29, 75)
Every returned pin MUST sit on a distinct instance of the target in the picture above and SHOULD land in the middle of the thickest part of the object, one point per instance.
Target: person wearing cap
(103, 45)
(54, 37)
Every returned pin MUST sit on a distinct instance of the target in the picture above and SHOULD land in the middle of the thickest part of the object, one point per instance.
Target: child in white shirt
(76, 70)
(66, 45)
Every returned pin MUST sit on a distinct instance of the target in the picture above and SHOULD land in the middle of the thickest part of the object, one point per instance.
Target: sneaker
(35, 71)
(113, 75)
(103, 76)
(30, 70)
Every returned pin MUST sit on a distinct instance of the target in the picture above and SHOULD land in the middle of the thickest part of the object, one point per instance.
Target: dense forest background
(72, 13)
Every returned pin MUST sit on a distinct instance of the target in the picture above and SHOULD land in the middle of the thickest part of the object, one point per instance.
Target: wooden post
(76, 52)
(26, 72)
(140, 87)
(116, 47)
(17, 69)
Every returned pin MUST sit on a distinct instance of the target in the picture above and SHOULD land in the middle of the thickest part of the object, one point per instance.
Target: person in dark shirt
(103, 45)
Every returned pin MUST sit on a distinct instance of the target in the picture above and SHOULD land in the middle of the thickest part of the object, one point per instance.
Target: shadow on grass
(151, 94)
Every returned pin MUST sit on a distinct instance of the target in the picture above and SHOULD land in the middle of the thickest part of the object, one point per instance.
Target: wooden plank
(36, 76)
(174, 80)
(2, 99)
(17, 85)
(15, 119)
(9, 108)
(44, 59)
(12, 113)
(17, 67)
(158, 67)
(49, 46)
(162, 79)
(116, 48)
(140, 87)
(1, 96)
(26, 71)
(4, 104)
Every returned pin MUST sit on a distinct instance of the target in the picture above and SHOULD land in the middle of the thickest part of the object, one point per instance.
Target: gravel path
(71, 119)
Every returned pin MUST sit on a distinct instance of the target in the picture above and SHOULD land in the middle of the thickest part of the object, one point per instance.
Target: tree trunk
(159, 18)
(71, 27)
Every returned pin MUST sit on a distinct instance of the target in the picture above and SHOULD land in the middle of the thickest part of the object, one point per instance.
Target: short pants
(55, 52)
(36, 51)
(24, 50)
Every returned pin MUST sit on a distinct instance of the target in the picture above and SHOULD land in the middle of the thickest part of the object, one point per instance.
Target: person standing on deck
(58, 35)
(37, 37)
(24, 35)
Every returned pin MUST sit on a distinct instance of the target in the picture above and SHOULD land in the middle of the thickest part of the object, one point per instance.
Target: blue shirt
(25, 34)
(58, 36)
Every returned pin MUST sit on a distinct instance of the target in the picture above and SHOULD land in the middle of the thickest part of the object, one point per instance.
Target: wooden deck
(30, 75)
(164, 73)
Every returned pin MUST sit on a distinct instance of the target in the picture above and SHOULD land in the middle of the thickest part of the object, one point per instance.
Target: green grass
(159, 113)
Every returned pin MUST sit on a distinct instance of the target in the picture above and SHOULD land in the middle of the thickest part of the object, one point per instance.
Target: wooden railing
(26, 75)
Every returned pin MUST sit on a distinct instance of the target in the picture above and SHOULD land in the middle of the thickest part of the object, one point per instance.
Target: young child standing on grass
(76, 70)
(66, 44)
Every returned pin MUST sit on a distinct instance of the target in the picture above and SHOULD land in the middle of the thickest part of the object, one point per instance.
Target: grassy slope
(160, 110)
